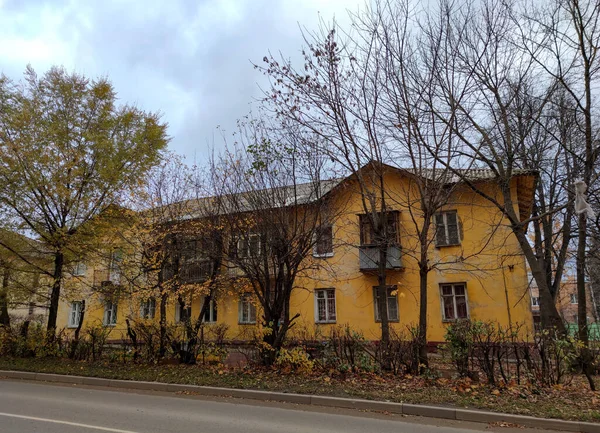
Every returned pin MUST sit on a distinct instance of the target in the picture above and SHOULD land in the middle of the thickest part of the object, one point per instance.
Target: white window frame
(387, 304)
(455, 318)
(110, 313)
(148, 308)
(573, 297)
(212, 309)
(325, 298)
(444, 216)
(323, 255)
(79, 270)
(246, 302)
(535, 301)
(243, 244)
(178, 308)
(74, 314)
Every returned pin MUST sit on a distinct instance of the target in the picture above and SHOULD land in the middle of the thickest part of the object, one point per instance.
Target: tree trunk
(75, 342)
(162, 345)
(4, 317)
(549, 315)
(422, 336)
(59, 261)
(382, 306)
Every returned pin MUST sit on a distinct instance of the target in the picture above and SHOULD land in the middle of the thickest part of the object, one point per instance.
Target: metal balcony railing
(369, 257)
(103, 277)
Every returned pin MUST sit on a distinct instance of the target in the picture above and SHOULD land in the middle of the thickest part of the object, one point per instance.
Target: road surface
(39, 407)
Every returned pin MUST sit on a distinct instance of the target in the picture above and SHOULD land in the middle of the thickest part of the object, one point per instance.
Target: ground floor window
(454, 301)
(246, 310)
(325, 306)
(210, 315)
(392, 304)
(75, 314)
(148, 308)
(110, 313)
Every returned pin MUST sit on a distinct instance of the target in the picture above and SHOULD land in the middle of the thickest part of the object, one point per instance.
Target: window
(574, 298)
(367, 232)
(79, 269)
(75, 314)
(247, 310)
(110, 313)
(210, 315)
(392, 304)
(148, 308)
(325, 306)
(454, 301)
(248, 246)
(535, 301)
(447, 232)
(182, 312)
(323, 242)
(114, 267)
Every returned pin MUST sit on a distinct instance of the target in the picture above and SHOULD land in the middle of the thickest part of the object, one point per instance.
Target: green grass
(573, 402)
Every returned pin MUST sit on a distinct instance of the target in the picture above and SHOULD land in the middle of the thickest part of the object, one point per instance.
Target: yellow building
(477, 269)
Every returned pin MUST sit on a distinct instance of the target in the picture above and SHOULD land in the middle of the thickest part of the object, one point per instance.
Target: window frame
(114, 311)
(71, 324)
(325, 299)
(246, 300)
(148, 308)
(377, 315)
(79, 270)
(246, 243)
(535, 301)
(455, 307)
(447, 240)
(364, 224)
(316, 246)
(178, 312)
(573, 296)
(212, 312)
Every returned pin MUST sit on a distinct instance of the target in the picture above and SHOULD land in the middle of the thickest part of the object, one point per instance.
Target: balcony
(369, 258)
(106, 277)
(196, 272)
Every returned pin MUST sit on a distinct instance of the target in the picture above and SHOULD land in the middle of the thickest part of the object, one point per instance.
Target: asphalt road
(39, 407)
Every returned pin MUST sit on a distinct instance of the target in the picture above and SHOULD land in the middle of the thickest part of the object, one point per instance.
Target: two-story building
(477, 268)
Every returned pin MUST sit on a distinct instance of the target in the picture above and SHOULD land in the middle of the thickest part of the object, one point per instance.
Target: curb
(315, 400)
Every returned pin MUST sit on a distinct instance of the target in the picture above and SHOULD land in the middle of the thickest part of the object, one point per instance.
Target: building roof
(310, 192)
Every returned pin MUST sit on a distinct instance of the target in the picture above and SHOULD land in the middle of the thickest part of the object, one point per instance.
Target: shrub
(295, 359)
(459, 344)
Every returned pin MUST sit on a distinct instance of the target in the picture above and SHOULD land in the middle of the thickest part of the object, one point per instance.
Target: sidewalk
(368, 405)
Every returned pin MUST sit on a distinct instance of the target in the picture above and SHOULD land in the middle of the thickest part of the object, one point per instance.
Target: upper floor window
(79, 269)
(246, 310)
(323, 241)
(454, 301)
(75, 310)
(114, 267)
(248, 246)
(368, 234)
(446, 229)
(392, 304)
(110, 313)
(325, 306)
(148, 308)
(535, 301)
(574, 298)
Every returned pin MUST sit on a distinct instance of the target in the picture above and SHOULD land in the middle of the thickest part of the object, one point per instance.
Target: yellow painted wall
(488, 260)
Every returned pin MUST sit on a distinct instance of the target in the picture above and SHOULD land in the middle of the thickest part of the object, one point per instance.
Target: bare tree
(472, 51)
(276, 208)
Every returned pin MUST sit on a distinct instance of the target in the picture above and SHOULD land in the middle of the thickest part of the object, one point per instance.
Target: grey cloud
(187, 59)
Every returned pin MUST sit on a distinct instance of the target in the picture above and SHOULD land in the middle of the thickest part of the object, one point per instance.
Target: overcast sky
(188, 59)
